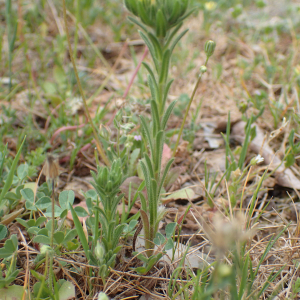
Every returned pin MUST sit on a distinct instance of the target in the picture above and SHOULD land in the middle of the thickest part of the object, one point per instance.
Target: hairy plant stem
(188, 108)
(98, 143)
(53, 213)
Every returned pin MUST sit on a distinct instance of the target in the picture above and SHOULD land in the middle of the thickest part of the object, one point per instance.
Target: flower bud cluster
(161, 15)
(108, 181)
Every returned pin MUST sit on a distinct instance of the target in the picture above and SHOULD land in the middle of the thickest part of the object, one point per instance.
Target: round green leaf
(22, 171)
(59, 237)
(14, 292)
(42, 239)
(66, 197)
(66, 291)
(70, 235)
(30, 206)
(80, 211)
(170, 229)
(57, 211)
(43, 203)
(28, 194)
(40, 221)
(43, 231)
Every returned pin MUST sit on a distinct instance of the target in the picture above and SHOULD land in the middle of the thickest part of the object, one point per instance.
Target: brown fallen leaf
(185, 193)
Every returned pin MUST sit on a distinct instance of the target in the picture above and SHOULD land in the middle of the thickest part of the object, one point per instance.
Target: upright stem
(53, 213)
(98, 143)
(188, 108)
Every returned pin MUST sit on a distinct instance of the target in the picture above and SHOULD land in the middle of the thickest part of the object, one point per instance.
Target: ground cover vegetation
(149, 149)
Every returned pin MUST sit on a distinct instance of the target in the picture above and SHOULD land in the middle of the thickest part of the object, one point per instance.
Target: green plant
(6, 180)
(162, 243)
(9, 254)
(236, 280)
(160, 22)
(47, 286)
(292, 151)
(102, 206)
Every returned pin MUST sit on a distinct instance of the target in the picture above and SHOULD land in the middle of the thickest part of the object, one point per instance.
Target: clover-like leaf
(66, 197)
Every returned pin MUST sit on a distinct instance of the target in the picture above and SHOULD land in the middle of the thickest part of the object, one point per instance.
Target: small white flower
(256, 160)
(74, 105)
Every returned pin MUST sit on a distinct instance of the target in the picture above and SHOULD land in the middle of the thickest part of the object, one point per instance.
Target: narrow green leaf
(117, 234)
(166, 92)
(149, 166)
(146, 130)
(151, 49)
(161, 24)
(147, 178)
(143, 14)
(143, 201)
(146, 224)
(269, 280)
(153, 207)
(165, 66)
(152, 88)
(156, 45)
(245, 144)
(165, 173)
(155, 117)
(160, 139)
(186, 15)
(80, 232)
(146, 65)
(9, 179)
(138, 23)
(178, 38)
(269, 246)
(167, 114)
(175, 13)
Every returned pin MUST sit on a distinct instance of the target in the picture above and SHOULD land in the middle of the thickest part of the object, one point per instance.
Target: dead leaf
(182, 154)
(172, 176)
(186, 193)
